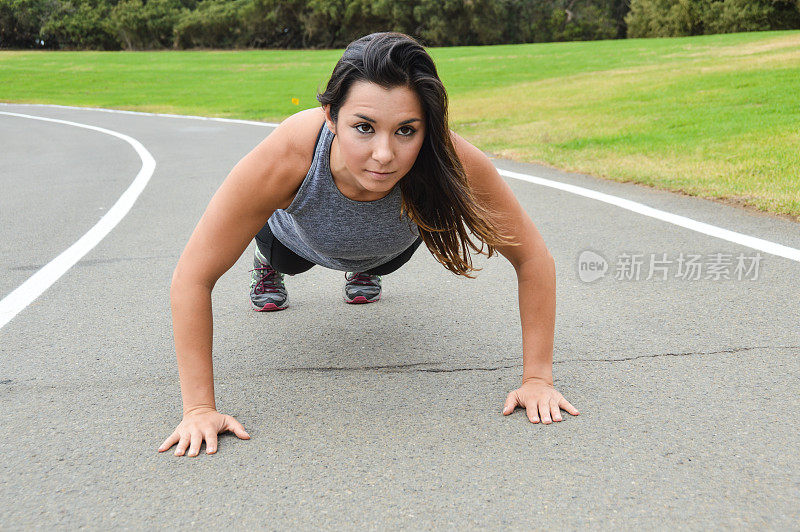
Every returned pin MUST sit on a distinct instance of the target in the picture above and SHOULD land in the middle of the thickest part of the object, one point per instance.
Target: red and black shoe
(267, 291)
(362, 287)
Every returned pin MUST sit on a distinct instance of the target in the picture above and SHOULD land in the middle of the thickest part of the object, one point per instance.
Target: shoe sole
(268, 307)
(361, 299)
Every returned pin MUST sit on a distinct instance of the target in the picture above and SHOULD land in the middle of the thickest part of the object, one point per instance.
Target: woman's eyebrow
(400, 124)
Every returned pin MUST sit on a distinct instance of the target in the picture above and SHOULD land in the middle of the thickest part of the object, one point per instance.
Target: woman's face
(378, 130)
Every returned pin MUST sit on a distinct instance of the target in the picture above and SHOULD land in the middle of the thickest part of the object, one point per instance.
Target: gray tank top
(328, 228)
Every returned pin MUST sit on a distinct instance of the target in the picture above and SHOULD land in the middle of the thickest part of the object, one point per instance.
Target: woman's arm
(536, 278)
(192, 331)
(259, 184)
(262, 182)
(536, 281)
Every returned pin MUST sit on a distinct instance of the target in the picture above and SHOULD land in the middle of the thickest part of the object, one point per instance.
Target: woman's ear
(329, 119)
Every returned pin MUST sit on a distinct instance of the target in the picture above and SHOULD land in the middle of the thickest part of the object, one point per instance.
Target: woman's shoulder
(304, 128)
(301, 130)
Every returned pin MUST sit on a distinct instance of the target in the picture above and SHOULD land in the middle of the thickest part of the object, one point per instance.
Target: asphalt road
(385, 415)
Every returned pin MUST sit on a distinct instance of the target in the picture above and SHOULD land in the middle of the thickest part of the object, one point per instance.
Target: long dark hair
(435, 192)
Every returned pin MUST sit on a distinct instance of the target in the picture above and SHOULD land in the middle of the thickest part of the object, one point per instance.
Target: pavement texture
(387, 415)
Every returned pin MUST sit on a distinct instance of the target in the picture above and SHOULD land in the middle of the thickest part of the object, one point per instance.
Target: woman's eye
(409, 128)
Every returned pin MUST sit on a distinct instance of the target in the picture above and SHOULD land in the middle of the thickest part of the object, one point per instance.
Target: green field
(716, 116)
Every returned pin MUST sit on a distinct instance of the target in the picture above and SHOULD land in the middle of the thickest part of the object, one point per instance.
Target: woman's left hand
(538, 396)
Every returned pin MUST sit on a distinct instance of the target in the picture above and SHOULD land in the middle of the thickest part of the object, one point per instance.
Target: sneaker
(362, 287)
(267, 291)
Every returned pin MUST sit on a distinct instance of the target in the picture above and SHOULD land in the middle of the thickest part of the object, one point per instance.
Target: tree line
(183, 24)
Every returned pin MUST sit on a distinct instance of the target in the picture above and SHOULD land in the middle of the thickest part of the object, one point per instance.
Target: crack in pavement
(399, 368)
(689, 353)
(417, 367)
(359, 368)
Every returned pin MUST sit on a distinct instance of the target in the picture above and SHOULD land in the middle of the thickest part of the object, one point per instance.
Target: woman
(357, 186)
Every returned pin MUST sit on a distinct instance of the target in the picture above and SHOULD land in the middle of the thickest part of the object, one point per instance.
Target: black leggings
(286, 261)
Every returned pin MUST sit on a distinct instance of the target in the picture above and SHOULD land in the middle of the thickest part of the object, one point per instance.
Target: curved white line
(641, 208)
(120, 111)
(36, 284)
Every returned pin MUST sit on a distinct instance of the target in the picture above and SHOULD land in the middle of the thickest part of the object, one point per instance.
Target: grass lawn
(716, 116)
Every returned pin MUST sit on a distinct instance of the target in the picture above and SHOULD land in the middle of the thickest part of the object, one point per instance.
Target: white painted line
(701, 227)
(120, 111)
(27, 292)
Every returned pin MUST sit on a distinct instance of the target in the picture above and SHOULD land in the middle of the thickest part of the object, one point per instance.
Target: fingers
(568, 407)
(182, 445)
(197, 440)
(169, 442)
(236, 427)
(554, 410)
(193, 438)
(540, 407)
(211, 442)
(544, 410)
(511, 403)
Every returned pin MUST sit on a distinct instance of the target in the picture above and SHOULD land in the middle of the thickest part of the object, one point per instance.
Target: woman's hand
(199, 424)
(537, 395)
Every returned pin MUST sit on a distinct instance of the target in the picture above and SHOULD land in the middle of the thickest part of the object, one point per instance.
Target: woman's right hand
(200, 424)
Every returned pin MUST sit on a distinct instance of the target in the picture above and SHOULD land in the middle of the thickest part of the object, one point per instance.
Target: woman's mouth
(379, 175)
